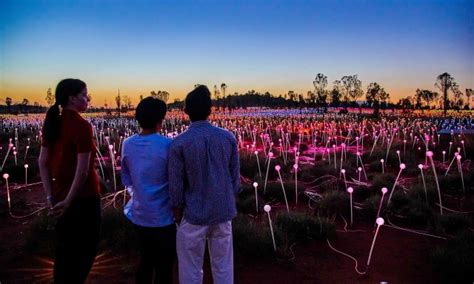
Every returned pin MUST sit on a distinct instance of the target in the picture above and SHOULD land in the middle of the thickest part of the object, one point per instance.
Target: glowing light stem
(384, 191)
(112, 158)
(267, 209)
(6, 156)
(26, 152)
(295, 166)
(255, 185)
(258, 165)
(373, 146)
(26, 175)
(350, 190)
(450, 164)
(380, 222)
(460, 172)
(420, 166)
(430, 157)
(402, 167)
(5, 176)
(266, 175)
(277, 168)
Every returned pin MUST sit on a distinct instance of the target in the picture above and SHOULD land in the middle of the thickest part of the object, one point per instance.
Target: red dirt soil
(398, 257)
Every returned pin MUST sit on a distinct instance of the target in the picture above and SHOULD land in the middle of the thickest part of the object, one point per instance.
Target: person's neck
(148, 131)
(72, 108)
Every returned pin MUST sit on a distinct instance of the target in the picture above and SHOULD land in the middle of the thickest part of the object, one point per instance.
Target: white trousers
(190, 245)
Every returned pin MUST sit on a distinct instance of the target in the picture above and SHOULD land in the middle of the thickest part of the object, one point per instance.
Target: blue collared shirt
(145, 169)
(204, 173)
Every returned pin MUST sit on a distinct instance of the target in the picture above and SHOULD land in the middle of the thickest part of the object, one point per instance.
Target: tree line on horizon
(345, 93)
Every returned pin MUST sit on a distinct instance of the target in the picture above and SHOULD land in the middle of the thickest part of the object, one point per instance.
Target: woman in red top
(66, 165)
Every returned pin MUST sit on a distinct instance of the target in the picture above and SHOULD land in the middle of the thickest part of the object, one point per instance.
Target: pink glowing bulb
(380, 221)
(384, 190)
(358, 153)
(270, 154)
(398, 151)
(420, 166)
(267, 208)
(256, 152)
(359, 169)
(111, 147)
(5, 176)
(350, 190)
(429, 154)
(295, 166)
(343, 171)
(382, 160)
(277, 168)
(458, 157)
(402, 166)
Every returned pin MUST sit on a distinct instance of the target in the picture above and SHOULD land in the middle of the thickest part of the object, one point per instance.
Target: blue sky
(139, 46)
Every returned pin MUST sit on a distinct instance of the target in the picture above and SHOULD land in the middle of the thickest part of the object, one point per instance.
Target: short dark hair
(198, 103)
(149, 112)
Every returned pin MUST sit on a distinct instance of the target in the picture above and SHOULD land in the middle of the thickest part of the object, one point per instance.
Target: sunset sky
(275, 46)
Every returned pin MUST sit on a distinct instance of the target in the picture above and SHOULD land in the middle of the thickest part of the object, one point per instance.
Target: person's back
(144, 173)
(204, 177)
(210, 168)
(145, 164)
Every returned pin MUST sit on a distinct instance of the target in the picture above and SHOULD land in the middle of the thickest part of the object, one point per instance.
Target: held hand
(60, 207)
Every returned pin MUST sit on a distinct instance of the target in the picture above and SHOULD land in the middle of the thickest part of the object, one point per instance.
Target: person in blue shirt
(204, 177)
(145, 174)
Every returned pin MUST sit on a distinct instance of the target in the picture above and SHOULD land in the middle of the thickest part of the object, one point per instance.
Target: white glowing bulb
(5, 176)
(359, 169)
(420, 166)
(380, 221)
(26, 166)
(382, 160)
(111, 147)
(255, 184)
(267, 208)
(343, 171)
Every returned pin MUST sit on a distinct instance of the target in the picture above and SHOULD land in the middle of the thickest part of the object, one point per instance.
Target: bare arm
(45, 173)
(80, 176)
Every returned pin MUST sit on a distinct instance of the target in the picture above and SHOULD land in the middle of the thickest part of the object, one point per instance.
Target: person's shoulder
(224, 132)
(163, 140)
(129, 140)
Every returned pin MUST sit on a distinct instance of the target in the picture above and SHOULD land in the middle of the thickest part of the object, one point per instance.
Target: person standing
(145, 173)
(204, 178)
(66, 164)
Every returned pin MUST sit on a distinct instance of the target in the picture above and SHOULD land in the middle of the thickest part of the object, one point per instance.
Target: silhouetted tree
(376, 94)
(469, 93)
(320, 83)
(49, 97)
(352, 87)
(118, 102)
(162, 95)
(446, 82)
(427, 96)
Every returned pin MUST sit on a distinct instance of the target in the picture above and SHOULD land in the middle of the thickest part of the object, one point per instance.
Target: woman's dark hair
(198, 103)
(65, 89)
(149, 112)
